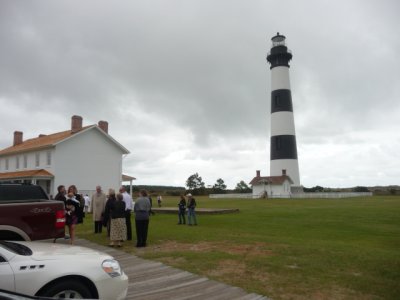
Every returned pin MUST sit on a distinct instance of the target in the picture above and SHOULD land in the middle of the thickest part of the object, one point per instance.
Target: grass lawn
(284, 249)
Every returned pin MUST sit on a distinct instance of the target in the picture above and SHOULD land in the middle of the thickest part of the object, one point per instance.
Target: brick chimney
(103, 125)
(18, 137)
(76, 124)
(258, 173)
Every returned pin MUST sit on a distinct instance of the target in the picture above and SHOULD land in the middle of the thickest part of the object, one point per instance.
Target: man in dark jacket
(191, 210)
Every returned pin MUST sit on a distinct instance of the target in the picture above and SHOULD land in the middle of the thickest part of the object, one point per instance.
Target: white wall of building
(30, 161)
(87, 160)
(273, 190)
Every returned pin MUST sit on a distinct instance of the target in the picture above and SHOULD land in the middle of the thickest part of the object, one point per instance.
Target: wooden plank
(152, 280)
(193, 281)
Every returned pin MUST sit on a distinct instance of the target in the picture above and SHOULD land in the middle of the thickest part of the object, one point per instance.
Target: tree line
(196, 186)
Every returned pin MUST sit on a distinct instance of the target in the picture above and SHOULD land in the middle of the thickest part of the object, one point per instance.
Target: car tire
(68, 289)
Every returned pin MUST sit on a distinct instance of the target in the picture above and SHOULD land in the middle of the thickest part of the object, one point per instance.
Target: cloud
(185, 84)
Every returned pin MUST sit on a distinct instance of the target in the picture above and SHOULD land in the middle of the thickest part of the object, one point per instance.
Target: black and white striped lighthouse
(283, 137)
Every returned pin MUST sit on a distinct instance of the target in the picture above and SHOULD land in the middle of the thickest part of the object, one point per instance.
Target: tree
(242, 187)
(315, 189)
(194, 182)
(219, 186)
(361, 189)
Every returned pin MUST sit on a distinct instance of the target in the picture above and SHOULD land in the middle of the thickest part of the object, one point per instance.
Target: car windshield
(16, 248)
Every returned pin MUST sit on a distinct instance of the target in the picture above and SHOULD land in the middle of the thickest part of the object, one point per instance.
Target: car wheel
(69, 289)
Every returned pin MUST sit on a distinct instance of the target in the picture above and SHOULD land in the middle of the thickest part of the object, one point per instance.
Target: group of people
(190, 203)
(114, 212)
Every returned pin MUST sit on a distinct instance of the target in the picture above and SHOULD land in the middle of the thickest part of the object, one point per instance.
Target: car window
(16, 248)
(2, 259)
(9, 192)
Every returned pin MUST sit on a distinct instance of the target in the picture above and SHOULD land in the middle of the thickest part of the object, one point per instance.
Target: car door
(6, 275)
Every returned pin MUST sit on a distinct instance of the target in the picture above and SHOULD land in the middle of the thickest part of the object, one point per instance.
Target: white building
(271, 186)
(84, 156)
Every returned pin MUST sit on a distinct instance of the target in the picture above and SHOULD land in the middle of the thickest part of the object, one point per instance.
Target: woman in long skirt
(118, 226)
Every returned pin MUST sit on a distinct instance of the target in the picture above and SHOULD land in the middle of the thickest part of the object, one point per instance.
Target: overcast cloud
(185, 85)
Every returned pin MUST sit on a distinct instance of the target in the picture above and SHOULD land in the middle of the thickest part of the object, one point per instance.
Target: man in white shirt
(128, 208)
(87, 202)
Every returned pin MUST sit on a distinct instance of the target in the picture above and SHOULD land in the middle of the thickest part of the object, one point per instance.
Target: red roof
(26, 174)
(270, 179)
(42, 141)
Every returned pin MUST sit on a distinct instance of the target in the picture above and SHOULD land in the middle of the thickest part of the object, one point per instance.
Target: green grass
(285, 249)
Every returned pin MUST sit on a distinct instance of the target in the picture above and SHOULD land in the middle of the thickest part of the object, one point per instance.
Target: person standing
(182, 210)
(61, 194)
(128, 209)
(142, 213)
(87, 202)
(159, 200)
(80, 213)
(191, 204)
(71, 218)
(107, 210)
(97, 206)
(118, 224)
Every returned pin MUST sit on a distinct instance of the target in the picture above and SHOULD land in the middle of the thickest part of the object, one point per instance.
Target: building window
(25, 161)
(48, 158)
(17, 162)
(37, 159)
(7, 166)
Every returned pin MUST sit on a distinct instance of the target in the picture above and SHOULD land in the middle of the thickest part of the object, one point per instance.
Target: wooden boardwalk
(153, 280)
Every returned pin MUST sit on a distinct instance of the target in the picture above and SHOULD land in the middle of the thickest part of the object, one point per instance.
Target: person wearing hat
(191, 205)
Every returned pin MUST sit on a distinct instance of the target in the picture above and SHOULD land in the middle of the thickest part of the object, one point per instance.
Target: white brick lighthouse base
(283, 158)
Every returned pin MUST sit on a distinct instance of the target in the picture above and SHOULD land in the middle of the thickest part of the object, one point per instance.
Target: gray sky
(185, 85)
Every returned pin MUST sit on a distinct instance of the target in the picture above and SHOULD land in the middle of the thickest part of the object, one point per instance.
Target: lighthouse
(283, 160)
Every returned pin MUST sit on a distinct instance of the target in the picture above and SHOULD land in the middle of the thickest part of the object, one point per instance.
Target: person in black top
(118, 224)
(61, 194)
(79, 198)
(191, 204)
(107, 210)
(71, 216)
(182, 210)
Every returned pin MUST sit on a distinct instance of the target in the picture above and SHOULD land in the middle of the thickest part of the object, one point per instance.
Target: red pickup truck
(26, 213)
